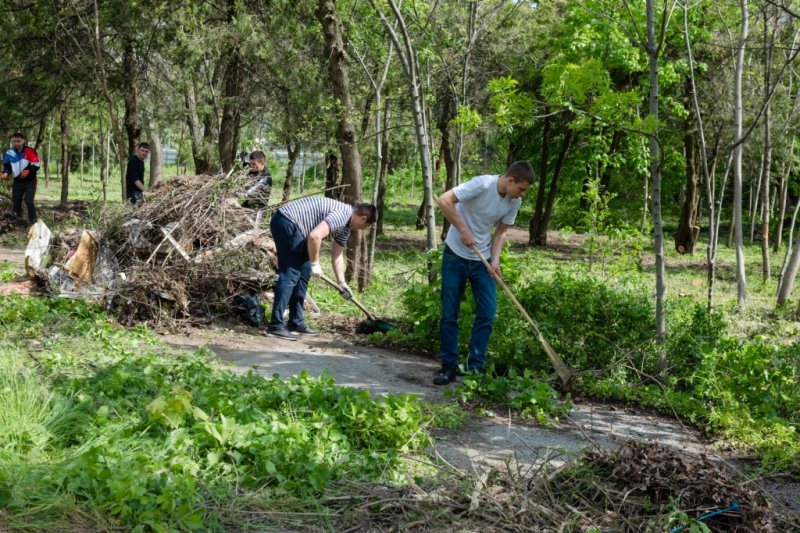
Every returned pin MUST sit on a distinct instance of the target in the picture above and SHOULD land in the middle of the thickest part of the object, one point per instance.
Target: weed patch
(105, 422)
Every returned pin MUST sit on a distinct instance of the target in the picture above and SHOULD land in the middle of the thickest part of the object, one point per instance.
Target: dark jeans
(294, 271)
(456, 271)
(24, 189)
(135, 196)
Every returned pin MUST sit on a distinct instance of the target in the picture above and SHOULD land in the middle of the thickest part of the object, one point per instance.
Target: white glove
(345, 291)
(316, 269)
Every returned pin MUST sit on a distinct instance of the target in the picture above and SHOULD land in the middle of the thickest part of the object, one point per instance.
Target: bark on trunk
(129, 78)
(200, 155)
(539, 237)
(292, 152)
(64, 153)
(156, 154)
(408, 57)
(655, 169)
(686, 235)
(384, 171)
(449, 160)
(538, 213)
(765, 213)
(784, 195)
(332, 176)
(231, 112)
(345, 131)
(605, 177)
(741, 281)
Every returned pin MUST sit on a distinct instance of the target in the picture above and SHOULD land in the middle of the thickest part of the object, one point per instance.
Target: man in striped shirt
(298, 229)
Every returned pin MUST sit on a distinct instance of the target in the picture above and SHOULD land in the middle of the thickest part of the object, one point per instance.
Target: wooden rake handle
(358, 304)
(508, 292)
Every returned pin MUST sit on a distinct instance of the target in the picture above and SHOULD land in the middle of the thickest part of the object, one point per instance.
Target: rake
(561, 367)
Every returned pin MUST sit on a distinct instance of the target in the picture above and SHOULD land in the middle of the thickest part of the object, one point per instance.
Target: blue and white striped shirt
(308, 213)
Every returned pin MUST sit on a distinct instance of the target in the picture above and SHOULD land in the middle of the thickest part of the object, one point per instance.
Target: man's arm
(500, 234)
(139, 185)
(447, 203)
(337, 261)
(314, 241)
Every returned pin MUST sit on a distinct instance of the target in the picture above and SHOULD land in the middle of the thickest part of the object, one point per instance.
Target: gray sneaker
(283, 333)
(446, 375)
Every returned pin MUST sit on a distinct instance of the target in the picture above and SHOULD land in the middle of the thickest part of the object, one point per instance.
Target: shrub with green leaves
(104, 422)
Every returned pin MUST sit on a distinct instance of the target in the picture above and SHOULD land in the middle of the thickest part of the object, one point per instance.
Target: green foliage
(116, 426)
(468, 117)
(512, 107)
(530, 397)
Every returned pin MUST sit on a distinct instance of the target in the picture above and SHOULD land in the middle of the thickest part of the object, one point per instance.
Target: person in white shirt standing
(475, 209)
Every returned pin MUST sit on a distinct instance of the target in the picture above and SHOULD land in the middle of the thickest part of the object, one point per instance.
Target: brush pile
(635, 488)
(187, 251)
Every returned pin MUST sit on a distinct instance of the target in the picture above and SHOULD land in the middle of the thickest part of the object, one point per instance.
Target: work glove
(4, 176)
(345, 290)
(316, 269)
(24, 174)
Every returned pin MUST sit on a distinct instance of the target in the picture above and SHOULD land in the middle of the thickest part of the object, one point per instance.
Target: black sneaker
(446, 375)
(283, 333)
(305, 330)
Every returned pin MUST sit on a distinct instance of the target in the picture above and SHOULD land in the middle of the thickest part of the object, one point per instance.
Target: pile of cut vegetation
(637, 487)
(187, 251)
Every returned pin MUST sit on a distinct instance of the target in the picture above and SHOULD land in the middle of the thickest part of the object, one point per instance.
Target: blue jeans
(456, 271)
(294, 271)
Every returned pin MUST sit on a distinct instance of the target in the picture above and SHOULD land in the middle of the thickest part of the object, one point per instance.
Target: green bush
(158, 441)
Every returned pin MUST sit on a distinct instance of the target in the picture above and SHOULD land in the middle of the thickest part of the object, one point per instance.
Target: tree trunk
(156, 154)
(129, 79)
(785, 283)
(106, 167)
(655, 170)
(231, 112)
(408, 58)
(384, 170)
(534, 227)
(47, 153)
(447, 156)
(540, 238)
(345, 131)
(686, 235)
(737, 162)
(784, 195)
(765, 213)
(83, 144)
(200, 154)
(64, 153)
(605, 177)
(292, 153)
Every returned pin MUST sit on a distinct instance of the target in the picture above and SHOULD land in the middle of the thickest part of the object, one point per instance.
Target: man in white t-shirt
(475, 209)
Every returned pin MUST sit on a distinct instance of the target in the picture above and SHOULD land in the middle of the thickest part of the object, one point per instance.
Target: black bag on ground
(250, 308)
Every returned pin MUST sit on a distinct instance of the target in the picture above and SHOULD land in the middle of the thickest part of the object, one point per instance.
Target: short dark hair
(18, 135)
(369, 210)
(143, 145)
(257, 155)
(521, 171)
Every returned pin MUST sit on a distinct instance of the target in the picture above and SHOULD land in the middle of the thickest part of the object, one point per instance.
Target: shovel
(372, 324)
(561, 367)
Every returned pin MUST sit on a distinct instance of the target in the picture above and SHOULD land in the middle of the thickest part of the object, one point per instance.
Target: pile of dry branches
(636, 488)
(187, 251)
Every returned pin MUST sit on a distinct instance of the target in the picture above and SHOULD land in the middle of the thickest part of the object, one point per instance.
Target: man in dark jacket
(134, 176)
(257, 195)
(21, 163)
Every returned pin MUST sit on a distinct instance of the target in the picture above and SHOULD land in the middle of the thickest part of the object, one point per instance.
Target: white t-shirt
(481, 207)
